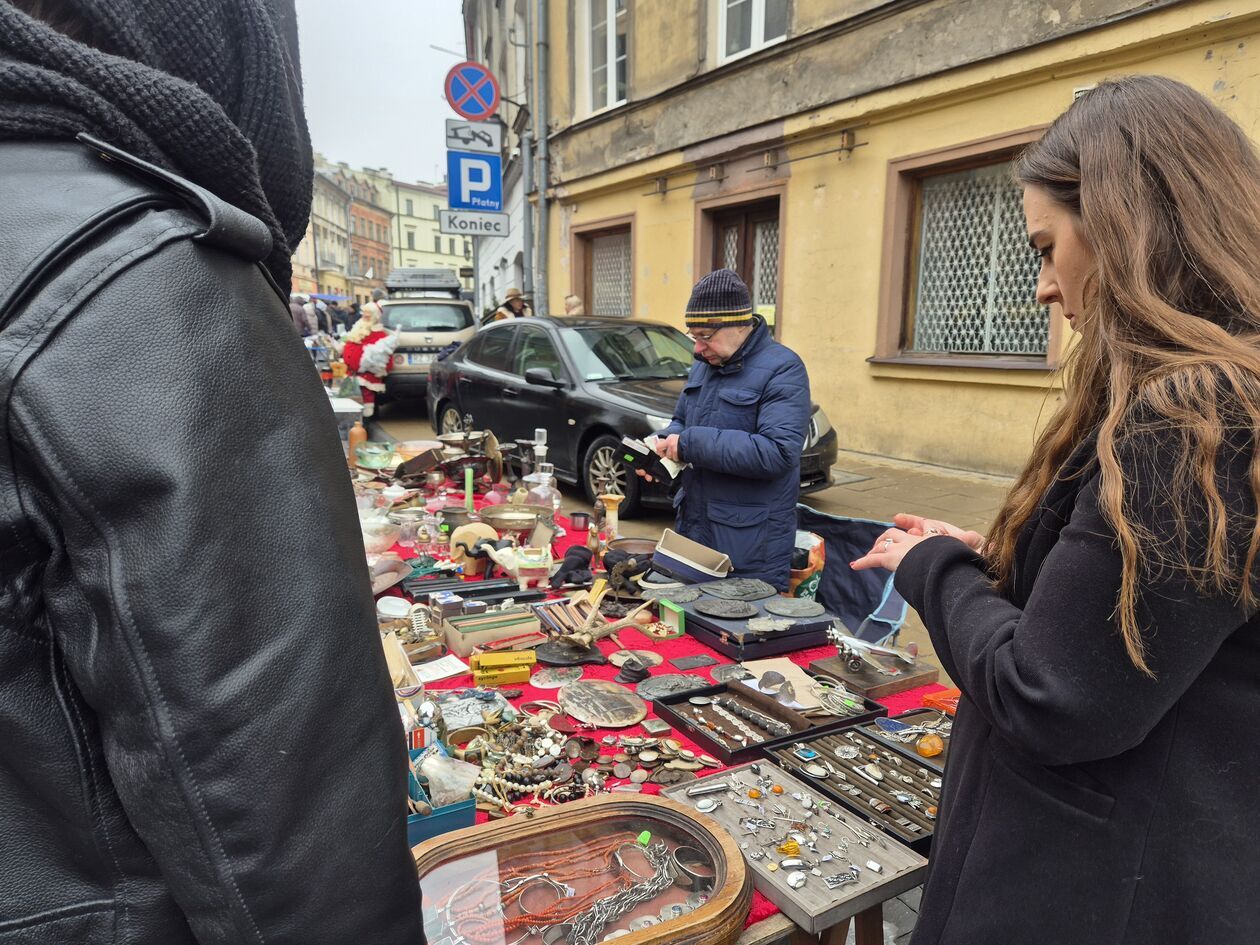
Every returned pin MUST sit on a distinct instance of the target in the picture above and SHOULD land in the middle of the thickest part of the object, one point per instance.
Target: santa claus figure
(368, 353)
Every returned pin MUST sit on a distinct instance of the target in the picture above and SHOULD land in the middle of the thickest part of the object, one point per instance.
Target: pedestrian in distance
(198, 738)
(514, 306)
(297, 311)
(740, 425)
(1105, 635)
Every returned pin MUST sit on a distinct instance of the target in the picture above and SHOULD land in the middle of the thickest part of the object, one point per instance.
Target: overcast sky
(373, 85)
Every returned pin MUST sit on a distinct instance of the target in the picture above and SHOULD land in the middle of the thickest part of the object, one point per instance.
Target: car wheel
(449, 419)
(603, 461)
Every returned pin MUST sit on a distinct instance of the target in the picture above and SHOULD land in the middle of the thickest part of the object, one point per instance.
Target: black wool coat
(1083, 801)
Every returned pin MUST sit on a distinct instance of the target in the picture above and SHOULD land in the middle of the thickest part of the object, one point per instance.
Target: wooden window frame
(580, 236)
(901, 203)
(709, 210)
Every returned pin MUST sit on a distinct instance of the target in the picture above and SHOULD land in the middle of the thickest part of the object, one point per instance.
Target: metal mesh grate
(977, 277)
(730, 248)
(765, 263)
(610, 274)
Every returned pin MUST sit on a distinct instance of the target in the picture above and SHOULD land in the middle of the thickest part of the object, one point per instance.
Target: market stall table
(670, 650)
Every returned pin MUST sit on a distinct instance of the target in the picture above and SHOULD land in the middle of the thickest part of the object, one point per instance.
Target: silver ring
(933, 531)
(887, 543)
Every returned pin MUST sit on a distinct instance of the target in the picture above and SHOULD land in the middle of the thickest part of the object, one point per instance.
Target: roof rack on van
(422, 282)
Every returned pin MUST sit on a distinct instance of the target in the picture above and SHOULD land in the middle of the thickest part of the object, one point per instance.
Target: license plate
(425, 358)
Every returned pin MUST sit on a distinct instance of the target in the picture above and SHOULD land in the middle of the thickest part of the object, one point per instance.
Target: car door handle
(511, 392)
(465, 380)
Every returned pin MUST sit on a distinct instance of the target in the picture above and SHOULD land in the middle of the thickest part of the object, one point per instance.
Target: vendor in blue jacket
(740, 423)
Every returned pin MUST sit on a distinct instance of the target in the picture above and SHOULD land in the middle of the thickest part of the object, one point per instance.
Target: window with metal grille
(976, 278)
(746, 240)
(609, 274)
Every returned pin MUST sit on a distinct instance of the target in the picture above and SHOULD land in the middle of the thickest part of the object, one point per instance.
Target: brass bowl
(512, 518)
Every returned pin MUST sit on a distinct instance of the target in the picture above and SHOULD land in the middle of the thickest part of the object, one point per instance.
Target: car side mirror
(543, 378)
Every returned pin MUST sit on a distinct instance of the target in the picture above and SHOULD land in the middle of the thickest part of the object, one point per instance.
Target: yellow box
(501, 677)
(502, 660)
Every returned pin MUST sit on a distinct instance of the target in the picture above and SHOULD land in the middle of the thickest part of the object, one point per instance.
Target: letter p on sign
(476, 180)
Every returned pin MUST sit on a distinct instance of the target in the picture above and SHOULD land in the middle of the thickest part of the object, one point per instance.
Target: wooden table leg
(836, 934)
(870, 926)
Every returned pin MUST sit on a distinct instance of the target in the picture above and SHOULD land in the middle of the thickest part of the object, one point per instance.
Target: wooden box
(867, 681)
(813, 906)
(463, 632)
(484, 879)
(678, 711)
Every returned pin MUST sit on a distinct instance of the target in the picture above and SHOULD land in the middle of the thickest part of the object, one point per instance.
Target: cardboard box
(465, 632)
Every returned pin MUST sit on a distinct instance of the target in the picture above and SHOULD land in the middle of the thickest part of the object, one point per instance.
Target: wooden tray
(718, 921)
(919, 840)
(813, 907)
(867, 682)
(675, 709)
(913, 717)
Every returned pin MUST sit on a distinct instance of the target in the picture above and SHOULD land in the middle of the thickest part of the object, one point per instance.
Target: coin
(725, 609)
(602, 703)
(795, 607)
(675, 595)
(729, 672)
(628, 788)
(701, 700)
(621, 770)
(648, 757)
(741, 589)
(709, 761)
(638, 775)
(668, 684)
(553, 677)
(646, 657)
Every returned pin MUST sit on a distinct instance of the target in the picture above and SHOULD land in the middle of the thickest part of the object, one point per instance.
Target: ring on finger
(933, 531)
(887, 543)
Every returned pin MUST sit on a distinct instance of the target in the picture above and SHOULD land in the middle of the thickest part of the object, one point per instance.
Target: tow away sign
(472, 223)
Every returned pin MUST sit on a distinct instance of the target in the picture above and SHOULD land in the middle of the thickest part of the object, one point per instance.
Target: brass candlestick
(610, 503)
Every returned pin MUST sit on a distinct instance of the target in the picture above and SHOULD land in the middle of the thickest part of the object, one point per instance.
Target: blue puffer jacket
(742, 427)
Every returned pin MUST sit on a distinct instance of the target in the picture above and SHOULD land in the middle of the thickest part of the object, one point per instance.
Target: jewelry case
(717, 733)
(645, 870)
(912, 732)
(883, 783)
(819, 863)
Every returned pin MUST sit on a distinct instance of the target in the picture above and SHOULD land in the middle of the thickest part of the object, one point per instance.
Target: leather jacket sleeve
(207, 585)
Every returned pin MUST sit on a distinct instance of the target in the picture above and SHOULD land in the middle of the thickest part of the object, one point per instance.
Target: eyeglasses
(703, 339)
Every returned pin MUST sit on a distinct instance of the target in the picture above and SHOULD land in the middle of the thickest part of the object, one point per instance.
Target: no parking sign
(472, 91)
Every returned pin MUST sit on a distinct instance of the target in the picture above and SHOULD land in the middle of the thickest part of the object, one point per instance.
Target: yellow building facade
(854, 167)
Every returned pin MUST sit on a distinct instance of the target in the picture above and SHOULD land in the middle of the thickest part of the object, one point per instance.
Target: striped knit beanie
(719, 300)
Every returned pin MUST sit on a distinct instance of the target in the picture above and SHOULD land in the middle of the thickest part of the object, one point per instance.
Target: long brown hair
(1165, 189)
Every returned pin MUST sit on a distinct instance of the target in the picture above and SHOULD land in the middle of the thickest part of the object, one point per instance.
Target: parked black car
(589, 382)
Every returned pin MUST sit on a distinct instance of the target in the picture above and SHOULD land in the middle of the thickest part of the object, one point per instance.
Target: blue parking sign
(474, 181)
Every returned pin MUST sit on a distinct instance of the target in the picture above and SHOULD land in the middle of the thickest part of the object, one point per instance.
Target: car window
(490, 349)
(426, 317)
(629, 351)
(537, 350)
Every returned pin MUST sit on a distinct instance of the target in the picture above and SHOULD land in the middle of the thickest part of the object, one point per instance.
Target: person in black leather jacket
(198, 741)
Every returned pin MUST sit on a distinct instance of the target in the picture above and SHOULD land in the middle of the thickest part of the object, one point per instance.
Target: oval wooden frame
(718, 922)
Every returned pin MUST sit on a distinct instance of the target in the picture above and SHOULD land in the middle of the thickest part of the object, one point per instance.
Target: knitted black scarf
(209, 89)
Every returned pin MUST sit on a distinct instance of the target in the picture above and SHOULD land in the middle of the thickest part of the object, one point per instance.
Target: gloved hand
(575, 568)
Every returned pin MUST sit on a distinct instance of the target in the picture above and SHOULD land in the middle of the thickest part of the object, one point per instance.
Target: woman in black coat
(1103, 784)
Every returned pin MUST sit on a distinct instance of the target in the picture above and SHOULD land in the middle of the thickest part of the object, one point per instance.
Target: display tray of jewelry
(587, 872)
(888, 785)
(734, 722)
(926, 732)
(817, 862)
